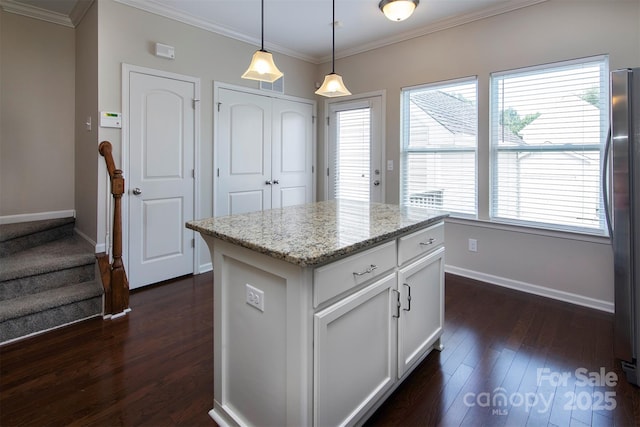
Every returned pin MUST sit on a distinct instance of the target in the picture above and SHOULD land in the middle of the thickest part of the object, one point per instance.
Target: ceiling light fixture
(398, 10)
(262, 66)
(333, 85)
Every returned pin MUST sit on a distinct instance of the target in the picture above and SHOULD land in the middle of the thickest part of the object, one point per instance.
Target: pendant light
(398, 10)
(262, 66)
(333, 85)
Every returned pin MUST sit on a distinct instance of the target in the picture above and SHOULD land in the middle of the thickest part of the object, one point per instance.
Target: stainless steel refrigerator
(622, 197)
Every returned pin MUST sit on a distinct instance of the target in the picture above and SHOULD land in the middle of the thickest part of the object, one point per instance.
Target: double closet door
(264, 152)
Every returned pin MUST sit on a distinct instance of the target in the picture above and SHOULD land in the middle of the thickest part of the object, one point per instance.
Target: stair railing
(114, 277)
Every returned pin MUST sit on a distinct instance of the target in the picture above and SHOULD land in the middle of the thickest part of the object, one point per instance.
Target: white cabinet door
(421, 286)
(354, 353)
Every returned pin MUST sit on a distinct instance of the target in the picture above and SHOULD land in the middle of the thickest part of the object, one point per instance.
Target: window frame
(495, 149)
(405, 149)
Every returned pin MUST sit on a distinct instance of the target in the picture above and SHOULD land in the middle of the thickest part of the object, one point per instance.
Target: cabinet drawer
(340, 276)
(419, 243)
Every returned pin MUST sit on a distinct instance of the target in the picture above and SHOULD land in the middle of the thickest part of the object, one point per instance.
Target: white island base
(307, 345)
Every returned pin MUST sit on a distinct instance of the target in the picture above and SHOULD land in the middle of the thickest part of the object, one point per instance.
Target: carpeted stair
(47, 278)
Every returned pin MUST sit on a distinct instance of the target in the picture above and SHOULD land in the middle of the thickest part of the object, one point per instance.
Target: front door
(161, 177)
(355, 150)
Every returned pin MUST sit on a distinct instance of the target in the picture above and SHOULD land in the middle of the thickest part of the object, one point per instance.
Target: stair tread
(64, 253)
(20, 229)
(28, 304)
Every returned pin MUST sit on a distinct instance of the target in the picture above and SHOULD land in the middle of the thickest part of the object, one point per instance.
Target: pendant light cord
(262, 26)
(333, 41)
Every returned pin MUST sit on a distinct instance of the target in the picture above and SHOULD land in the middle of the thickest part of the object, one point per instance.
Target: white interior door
(161, 177)
(243, 156)
(355, 150)
(292, 159)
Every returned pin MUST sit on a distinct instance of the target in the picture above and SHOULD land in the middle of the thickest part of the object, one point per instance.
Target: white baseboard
(533, 289)
(88, 239)
(12, 219)
(204, 268)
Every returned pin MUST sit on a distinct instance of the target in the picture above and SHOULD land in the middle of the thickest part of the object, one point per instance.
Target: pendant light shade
(333, 85)
(398, 10)
(262, 66)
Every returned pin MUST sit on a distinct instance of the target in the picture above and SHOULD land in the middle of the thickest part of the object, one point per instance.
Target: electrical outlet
(473, 245)
(254, 297)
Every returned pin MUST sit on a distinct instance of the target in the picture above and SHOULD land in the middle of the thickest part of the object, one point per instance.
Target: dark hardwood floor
(505, 354)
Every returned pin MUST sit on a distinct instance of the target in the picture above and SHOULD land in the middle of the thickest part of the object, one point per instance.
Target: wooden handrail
(117, 288)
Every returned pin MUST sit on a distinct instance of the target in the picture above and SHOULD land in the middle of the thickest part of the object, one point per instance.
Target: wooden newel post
(116, 284)
(120, 293)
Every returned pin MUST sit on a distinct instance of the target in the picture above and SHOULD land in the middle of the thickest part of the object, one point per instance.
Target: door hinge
(313, 169)
(194, 103)
(193, 243)
(328, 120)
(193, 173)
(327, 171)
(219, 104)
(218, 173)
(313, 119)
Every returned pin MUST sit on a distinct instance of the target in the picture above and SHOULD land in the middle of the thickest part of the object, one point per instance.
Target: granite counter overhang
(314, 234)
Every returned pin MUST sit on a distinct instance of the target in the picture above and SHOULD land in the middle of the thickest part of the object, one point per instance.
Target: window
(548, 126)
(439, 140)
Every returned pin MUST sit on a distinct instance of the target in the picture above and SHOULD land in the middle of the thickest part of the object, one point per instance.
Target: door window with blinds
(355, 150)
(548, 128)
(439, 145)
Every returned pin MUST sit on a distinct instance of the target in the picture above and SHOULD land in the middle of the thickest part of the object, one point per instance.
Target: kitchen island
(321, 310)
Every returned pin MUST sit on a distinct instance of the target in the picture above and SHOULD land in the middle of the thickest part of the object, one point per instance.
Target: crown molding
(71, 20)
(171, 13)
(440, 25)
(12, 6)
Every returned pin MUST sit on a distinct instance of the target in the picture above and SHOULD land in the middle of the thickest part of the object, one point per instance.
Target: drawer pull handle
(367, 271)
(408, 297)
(398, 305)
(429, 242)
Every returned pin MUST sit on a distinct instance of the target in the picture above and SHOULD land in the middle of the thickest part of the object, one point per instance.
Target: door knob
(268, 182)
(136, 191)
(376, 182)
(276, 181)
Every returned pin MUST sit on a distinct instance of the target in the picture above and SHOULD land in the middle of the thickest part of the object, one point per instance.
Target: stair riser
(32, 240)
(52, 318)
(43, 282)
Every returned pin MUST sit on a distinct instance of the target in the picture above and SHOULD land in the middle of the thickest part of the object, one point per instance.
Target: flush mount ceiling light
(398, 10)
(262, 66)
(333, 85)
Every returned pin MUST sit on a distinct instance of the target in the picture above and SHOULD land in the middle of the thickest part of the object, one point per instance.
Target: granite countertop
(317, 233)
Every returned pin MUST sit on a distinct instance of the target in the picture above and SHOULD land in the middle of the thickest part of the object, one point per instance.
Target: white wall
(37, 105)
(556, 30)
(128, 35)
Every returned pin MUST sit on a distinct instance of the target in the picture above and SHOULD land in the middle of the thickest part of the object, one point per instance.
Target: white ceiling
(300, 28)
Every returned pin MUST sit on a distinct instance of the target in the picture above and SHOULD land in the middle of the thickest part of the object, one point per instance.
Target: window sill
(568, 235)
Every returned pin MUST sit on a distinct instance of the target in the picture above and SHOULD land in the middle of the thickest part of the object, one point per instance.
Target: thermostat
(109, 119)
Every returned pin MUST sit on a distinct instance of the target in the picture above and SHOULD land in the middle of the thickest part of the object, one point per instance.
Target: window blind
(548, 126)
(439, 143)
(352, 167)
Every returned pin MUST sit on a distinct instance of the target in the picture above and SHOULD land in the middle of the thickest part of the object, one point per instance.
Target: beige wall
(128, 35)
(37, 105)
(552, 31)
(86, 141)
(561, 264)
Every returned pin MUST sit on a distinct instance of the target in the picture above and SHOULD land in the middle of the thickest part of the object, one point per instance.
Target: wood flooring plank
(154, 367)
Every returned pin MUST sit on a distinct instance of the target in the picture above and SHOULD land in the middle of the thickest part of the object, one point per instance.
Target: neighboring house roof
(455, 114)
